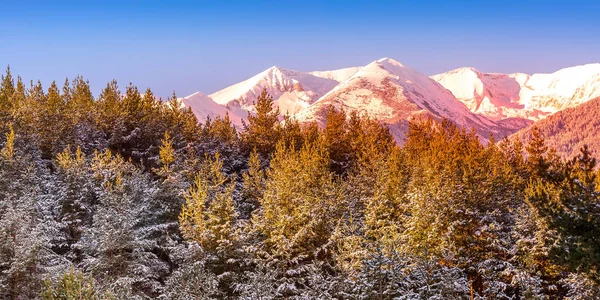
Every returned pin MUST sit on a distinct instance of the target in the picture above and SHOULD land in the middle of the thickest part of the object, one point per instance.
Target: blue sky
(188, 46)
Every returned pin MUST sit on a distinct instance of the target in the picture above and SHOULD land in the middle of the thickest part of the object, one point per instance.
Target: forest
(126, 196)
(570, 129)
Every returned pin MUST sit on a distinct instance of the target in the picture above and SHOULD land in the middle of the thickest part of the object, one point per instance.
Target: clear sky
(190, 46)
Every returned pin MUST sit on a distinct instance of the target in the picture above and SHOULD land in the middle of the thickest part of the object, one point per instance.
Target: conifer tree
(208, 215)
(222, 129)
(571, 209)
(536, 150)
(22, 240)
(254, 180)
(7, 92)
(261, 132)
(74, 196)
(310, 132)
(301, 202)
(385, 210)
(8, 151)
(109, 109)
(291, 132)
(19, 101)
(52, 125)
(166, 152)
(72, 285)
(182, 118)
(336, 139)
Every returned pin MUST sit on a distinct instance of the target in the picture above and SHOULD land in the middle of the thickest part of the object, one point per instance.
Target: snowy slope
(497, 104)
(292, 91)
(337, 75)
(203, 106)
(393, 93)
(501, 96)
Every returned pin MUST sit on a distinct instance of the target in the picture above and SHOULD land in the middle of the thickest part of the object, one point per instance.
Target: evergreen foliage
(126, 196)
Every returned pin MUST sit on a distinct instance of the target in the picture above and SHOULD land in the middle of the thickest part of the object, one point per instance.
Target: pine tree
(8, 151)
(73, 193)
(208, 215)
(336, 139)
(182, 118)
(222, 129)
(72, 285)
(571, 208)
(166, 152)
(83, 116)
(385, 210)
(19, 101)
(536, 150)
(52, 123)
(254, 181)
(261, 132)
(291, 132)
(109, 109)
(301, 202)
(7, 93)
(22, 240)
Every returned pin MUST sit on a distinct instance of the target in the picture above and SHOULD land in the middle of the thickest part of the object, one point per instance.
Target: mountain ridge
(494, 104)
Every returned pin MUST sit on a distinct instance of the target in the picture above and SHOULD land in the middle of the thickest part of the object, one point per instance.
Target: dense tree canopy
(127, 196)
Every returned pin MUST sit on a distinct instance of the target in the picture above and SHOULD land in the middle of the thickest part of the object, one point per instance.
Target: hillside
(568, 130)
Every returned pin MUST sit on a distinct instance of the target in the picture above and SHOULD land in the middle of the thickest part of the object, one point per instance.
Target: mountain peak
(387, 60)
(272, 68)
(465, 70)
(196, 94)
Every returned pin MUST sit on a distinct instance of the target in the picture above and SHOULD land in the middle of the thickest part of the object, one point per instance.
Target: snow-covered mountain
(498, 104)
(533, 97)
(203, 106)
(393, 93)
(292, 91)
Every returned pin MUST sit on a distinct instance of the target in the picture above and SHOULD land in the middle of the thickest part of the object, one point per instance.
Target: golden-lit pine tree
(301, 202)
(19, 101)
(336, 140)
(208, 216)
(8, 151)
(536, 159)
(109, 111)
(166, 152)
(71, 285)
(262, 131)
(81, 101)
(310, 132)
(180, 117)
(7, 92)
(291, 132)
(385, 210)
(254, 180)
(52, 125)
(68, 160)
(222, 129)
